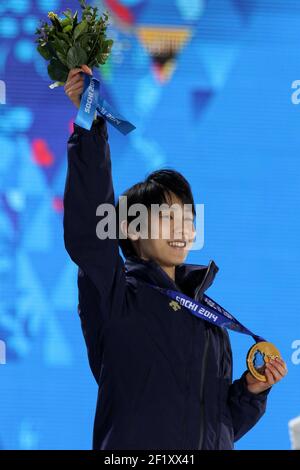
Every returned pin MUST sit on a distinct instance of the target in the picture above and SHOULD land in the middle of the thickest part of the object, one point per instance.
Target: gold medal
(258, 356)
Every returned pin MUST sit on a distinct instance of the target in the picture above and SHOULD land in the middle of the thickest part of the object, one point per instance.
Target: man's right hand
(75, 83)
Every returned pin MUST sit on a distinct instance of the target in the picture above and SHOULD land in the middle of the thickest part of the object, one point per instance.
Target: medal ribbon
(208, 311)
(91, 102)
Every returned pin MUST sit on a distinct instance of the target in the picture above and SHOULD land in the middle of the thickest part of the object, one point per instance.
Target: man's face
(175, 224)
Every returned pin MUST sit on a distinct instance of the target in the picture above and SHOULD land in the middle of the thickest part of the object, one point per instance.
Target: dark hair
(154, 190)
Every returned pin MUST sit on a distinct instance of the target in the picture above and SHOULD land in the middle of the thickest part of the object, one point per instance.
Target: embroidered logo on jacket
(175, 305)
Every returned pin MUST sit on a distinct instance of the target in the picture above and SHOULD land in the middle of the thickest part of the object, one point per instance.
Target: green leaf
(66, 22)
(86, 40)
(62, 58)
(44, 51)
(76, 57)
(108, 45)
(59, 46)
(81, 28)
(68, 13)
(101, 57)
(67, 28)
(56, 23)
(57, 71)
(65, 37)
(75, 20)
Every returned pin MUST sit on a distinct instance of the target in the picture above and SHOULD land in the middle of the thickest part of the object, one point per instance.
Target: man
(164, 376)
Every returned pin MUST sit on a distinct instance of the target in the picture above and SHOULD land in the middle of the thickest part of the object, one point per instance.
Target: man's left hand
(274, 372)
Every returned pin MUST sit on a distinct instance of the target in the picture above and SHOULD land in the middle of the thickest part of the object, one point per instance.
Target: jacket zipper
(211, 267)
(204, 359)
(203, 373)
(188, 376)
(222, 360)
(219, 400)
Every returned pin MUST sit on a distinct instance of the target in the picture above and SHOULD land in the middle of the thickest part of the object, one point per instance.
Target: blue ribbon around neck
(209, 311)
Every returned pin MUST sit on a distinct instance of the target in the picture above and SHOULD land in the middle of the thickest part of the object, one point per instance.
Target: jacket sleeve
(101, 277)
(246, 408)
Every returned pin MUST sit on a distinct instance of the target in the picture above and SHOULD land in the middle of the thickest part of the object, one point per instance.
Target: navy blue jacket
(164, 376)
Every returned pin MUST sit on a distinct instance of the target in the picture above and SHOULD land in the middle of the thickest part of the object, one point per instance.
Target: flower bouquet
(68, 43)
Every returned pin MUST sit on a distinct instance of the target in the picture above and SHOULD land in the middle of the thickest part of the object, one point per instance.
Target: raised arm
(101, 278)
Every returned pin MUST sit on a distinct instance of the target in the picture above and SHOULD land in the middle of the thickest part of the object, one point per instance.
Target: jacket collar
(191, 279)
